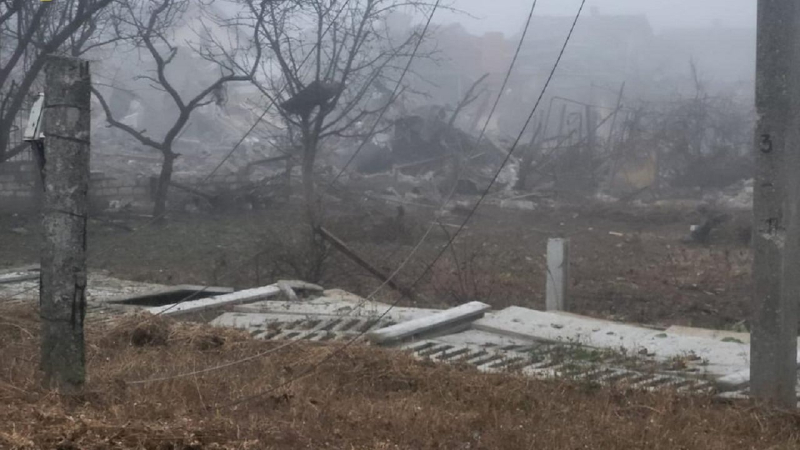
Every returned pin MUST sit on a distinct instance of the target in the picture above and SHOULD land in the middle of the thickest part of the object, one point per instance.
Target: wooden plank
(347, 251)
(435, 322)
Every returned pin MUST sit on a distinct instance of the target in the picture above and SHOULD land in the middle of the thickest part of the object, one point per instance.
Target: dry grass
(365, 398)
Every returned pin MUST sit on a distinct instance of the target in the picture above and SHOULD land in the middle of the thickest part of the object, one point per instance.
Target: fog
(662, 14)
(298, 168)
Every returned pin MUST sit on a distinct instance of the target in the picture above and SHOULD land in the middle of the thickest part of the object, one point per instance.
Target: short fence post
(557, 275)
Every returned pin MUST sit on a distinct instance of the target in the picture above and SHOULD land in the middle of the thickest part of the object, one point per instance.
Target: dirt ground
(306, 397)
(627, 263)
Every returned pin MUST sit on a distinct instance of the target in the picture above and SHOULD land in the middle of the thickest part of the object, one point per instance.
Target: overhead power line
(337, 351)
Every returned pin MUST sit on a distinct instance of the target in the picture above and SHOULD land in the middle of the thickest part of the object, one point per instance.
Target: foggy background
(505, 15)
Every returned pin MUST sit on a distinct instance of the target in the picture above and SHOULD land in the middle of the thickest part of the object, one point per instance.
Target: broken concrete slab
(220, 301)
(336, 302)
(741, 378)
(710, 357)
(718, 335)
(287, 291)
(439, 321)
(298, 285)
(18, 274)
(16, 277)
(101, 288)
(170, 295)
(253, 322)
(483, 339)
(27, 268)
(289, 288)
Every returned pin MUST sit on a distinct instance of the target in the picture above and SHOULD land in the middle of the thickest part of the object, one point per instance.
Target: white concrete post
(557, 274)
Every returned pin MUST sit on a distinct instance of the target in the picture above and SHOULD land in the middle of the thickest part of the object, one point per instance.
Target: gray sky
(508, 15)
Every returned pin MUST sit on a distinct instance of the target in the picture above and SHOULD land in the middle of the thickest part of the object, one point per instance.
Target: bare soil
(306, 397)
(628, 263)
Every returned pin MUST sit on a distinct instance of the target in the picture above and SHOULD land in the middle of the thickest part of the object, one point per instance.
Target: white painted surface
(716, 358)
(442, 319)
(235, 298)
(557, 275)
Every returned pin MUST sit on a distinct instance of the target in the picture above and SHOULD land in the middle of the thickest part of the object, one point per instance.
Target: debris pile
(738, 196)
(425, 148)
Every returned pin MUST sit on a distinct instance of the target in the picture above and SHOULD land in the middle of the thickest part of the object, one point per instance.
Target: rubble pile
(425, 152)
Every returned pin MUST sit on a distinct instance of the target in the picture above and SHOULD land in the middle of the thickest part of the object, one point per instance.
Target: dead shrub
(360, 398)
(139, 330)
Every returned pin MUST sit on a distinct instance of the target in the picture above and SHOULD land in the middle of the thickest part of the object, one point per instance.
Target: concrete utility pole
(776, 226)
(66, 186)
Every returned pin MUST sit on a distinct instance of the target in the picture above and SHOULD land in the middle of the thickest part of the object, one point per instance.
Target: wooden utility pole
(62, 298)
(776, 230)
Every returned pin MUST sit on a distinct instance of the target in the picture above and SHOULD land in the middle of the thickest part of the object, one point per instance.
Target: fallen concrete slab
(737, 380)
(336, 302)
(298, 285)
(484, 339)
(18, 277)
(254, 322)
(170, 294)
(220, 301)
(28, 268)
(707, 356)
(19, 274)
(439, 321)
(717, 335)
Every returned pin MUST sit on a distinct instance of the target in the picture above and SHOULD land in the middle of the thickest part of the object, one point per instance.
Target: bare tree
(30, 31)
(152, 21)
(329, 59)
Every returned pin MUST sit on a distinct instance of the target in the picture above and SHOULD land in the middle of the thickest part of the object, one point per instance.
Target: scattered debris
(347, 251)
(289, 288)
(525, 205)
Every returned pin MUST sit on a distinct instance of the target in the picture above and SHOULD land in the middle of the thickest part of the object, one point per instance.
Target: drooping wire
(510, 152)
(392, 97)
(350, 342)
(262, 354)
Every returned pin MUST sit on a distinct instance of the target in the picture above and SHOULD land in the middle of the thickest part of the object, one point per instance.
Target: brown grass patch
(364, 398)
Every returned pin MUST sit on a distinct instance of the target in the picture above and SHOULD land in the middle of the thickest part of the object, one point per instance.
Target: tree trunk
(287, 179)
(66, 183)
(309, 189)
(162, 190)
